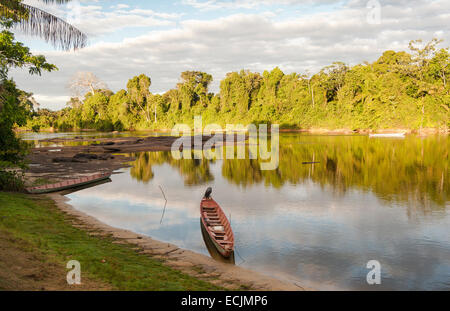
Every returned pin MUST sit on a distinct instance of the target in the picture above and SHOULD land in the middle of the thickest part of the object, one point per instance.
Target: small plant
(11, 180)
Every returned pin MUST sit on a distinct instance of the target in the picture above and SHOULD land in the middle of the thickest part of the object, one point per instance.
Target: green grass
(38, 221)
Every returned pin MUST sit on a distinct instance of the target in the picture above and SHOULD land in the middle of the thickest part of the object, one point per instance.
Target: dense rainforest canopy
(399, 90)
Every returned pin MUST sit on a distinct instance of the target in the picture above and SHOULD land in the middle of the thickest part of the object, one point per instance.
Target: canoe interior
(68, 184)
(217, 226)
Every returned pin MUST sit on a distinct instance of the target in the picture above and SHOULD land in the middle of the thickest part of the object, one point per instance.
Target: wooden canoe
(217, 226)
(68, 184)
(388, 135)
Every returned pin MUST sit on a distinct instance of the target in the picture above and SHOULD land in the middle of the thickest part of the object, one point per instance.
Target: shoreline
(186, 261)
(314, 130)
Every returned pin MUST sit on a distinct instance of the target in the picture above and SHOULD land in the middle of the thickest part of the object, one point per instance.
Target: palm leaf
(36, 22)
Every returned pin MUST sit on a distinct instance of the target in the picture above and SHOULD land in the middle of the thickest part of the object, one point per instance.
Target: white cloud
(95, 21)
(51, 102)
(248, 4)
(120, 6)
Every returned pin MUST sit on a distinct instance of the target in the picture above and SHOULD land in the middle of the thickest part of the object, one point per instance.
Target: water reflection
(414, 170)
(195, 172)
(318, 224)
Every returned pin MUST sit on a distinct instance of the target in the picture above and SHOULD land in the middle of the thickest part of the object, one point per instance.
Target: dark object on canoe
(208, 193)
(68, 184)
(310, 162)
(217, 226)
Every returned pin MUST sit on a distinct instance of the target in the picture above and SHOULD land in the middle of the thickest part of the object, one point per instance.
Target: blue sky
(164, 38)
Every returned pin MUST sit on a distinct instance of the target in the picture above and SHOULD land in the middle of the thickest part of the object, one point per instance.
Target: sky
(164, 38)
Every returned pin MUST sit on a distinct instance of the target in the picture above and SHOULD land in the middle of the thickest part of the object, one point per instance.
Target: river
(383, 199)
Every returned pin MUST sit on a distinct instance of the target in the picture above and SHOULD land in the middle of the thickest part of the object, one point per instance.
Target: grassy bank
(34, 226)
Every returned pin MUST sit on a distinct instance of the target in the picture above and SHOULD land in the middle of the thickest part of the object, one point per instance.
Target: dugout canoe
(69, 184)
(217, 226)
(388, 135)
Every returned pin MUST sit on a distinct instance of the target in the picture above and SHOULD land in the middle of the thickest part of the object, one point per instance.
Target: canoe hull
(212, 249)
(69, 184)
(210, 206)
(392, 135)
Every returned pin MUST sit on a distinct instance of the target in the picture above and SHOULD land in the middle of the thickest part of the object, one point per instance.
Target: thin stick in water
(165, 204)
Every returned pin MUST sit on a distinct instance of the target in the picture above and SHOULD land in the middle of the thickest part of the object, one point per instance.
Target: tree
(74, 102)
(440, 66)
(421, 57)
(139, 94)
(15, 54)
(193, 88)
(15, 109)
(239, 90)
(308, 77)
(83, 82)
(333, 78)
(270, 85)
(36, 22)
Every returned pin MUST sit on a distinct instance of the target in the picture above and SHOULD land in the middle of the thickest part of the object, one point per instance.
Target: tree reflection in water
(413, 170)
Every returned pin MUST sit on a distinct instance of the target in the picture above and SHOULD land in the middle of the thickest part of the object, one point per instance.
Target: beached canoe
(388, 135)
(69, 184)
(217, 226)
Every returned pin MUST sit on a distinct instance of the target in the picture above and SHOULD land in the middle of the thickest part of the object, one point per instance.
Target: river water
(383, 199)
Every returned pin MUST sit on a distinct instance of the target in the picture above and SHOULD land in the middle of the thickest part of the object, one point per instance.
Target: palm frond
(52, 29)
(36, 22)
(55, 1)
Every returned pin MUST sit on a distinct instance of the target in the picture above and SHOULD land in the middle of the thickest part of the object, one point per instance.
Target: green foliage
(11, 180)
(15, 54)
(14, 110)
(399, 90)
(15, 106)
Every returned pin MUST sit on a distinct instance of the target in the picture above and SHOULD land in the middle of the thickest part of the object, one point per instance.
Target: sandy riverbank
(197, 265)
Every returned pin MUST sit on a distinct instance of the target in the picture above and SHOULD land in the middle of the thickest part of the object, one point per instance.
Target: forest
(399, 90)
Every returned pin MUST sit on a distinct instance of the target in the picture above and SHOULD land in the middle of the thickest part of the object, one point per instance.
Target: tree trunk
(423, 113)
(443, 77)
(311, 91)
